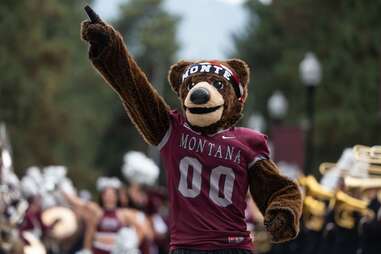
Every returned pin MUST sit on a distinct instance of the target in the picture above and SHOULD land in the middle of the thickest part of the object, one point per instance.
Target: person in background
(371, 228)
(32, 221)
(105, 221)
(122, 197)
(157, 214)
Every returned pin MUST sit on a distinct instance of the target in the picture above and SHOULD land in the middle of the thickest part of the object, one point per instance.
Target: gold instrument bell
(371, 155)
(345, 208)
(366, 163)
(313, 213)
(314, 208)
(314, 189)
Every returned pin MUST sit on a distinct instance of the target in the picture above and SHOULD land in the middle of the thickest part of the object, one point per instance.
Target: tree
(49, 95)
(344, 35)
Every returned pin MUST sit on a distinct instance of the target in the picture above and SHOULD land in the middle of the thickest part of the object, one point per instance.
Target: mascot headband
(219, 69)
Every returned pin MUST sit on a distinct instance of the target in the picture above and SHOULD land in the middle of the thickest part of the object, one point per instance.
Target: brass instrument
(314, 208)
(344, 208)
(371, 155)
(313, 213)
(325, 167)
(314, 189)
(362, 184)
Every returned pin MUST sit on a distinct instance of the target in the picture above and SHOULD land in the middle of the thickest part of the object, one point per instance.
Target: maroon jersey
(207, 179)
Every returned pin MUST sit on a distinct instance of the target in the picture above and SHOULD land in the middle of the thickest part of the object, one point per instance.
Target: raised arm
(278, 198)
(109, 55)
(85, 209)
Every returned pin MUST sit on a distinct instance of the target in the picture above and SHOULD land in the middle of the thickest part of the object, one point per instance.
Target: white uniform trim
(105, 234)
(103, 246)
(256, 159)
(165, 139)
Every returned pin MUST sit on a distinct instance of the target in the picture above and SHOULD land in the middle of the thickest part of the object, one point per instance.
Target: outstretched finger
(94, 18)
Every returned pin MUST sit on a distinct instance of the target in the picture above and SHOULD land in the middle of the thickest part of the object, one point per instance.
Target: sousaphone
(371, 155)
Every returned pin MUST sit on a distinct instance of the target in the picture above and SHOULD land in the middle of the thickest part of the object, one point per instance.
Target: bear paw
(95, 32)
(280, 224)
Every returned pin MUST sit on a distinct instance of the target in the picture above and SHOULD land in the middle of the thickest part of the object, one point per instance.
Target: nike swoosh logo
(227, 137)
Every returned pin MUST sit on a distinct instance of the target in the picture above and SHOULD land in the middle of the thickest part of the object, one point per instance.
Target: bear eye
(190, 85)
(218, 84)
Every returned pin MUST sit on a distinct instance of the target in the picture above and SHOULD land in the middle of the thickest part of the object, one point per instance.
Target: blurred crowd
(43, 212)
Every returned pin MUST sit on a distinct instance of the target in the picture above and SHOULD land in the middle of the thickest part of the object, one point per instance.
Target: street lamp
(256, 122)
(310, 74)
(277, 105)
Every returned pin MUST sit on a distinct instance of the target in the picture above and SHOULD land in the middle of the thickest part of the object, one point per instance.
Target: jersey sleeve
(175, 120)
(259, 147)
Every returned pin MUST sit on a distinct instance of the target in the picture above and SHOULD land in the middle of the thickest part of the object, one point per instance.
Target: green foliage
(51, 100)
(344, 35)
(57, 109)
(150, 33)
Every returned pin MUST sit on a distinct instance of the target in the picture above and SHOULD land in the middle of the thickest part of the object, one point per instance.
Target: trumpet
(345, 208)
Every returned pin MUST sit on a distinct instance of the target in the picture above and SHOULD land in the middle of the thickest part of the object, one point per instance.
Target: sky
(206, 26)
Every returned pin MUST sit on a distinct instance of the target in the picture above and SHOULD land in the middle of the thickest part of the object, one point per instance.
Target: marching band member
(371, 229)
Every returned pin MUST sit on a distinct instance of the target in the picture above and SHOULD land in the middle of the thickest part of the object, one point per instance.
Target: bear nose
(200, 96)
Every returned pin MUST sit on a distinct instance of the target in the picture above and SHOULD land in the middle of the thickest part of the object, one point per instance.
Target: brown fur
(145, 107)
(233, 108)
(278, 198)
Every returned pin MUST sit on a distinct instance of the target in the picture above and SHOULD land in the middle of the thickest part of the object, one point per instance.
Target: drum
(66, 222)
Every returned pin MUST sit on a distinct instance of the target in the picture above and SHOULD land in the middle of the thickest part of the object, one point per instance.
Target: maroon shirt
(207, 179)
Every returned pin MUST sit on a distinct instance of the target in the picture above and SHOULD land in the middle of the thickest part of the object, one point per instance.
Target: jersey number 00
(215, 175)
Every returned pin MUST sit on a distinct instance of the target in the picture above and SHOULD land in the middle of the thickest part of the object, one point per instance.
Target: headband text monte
(215, 68)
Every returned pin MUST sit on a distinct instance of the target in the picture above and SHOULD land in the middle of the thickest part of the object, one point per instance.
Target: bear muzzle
(203, 105)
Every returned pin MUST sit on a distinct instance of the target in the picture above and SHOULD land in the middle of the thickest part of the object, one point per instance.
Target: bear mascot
(210, 164)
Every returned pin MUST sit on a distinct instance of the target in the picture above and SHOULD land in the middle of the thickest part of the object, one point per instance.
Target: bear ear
(242, 70)
(175, 73)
